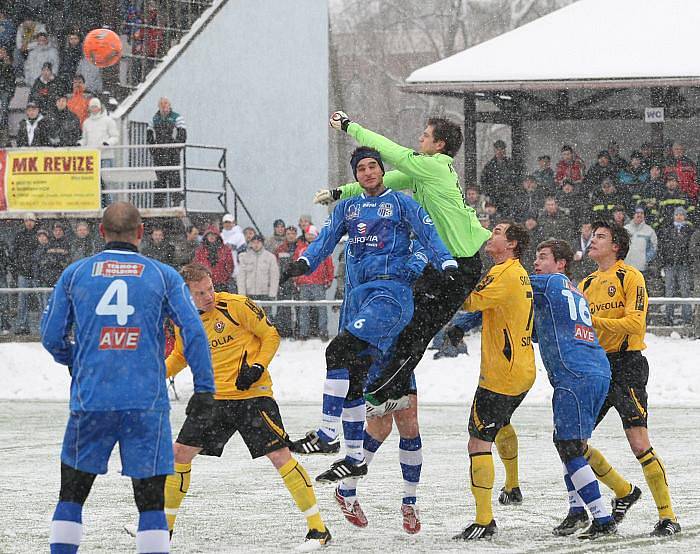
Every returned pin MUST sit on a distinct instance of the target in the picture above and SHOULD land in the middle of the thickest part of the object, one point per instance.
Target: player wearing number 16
(114, 303)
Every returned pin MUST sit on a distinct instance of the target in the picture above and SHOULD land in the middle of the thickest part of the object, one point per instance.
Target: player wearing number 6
(115, 303)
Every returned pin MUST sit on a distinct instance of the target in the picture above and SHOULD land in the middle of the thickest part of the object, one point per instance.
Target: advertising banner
(52, 180)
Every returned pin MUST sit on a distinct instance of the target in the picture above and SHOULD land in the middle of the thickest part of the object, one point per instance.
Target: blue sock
(66, 528)
(411, 459)
(353, 429)
(152, 536)
(584, 481)
(335, 389)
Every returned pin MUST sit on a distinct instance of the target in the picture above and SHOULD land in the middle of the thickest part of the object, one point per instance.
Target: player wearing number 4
(504, 298)
(243, 343)
(115, 303)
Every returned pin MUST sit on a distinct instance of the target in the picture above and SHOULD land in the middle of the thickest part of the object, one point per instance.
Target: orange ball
(102, 47)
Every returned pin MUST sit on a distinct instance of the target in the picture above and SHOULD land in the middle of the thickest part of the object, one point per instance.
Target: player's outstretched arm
(394, 180)
(333, 230)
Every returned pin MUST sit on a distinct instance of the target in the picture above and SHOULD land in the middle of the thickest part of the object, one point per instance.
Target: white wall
(256, 81)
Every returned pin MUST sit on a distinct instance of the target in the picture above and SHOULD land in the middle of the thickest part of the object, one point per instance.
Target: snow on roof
(620, 40)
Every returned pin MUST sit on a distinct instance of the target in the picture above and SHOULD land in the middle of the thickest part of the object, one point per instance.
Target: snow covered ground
(28, 372)
(236, 504)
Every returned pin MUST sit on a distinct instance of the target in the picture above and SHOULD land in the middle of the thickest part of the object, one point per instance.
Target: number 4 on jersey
(121, 307)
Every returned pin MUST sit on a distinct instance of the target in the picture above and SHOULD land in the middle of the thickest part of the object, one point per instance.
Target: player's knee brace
(149, 493)
(344, 350)
(570, 449)
(75, 484)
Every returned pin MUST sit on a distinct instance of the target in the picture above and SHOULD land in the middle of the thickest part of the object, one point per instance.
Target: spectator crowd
(653, 194)
(241, 261)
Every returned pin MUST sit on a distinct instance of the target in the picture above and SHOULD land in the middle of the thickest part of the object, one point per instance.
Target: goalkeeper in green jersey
(429, 174)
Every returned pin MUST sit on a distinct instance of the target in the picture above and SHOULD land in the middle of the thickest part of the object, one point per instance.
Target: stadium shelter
(594, 60)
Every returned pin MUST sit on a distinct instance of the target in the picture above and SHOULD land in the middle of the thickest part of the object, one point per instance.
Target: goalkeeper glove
(200, 405)
(339, 121)
(295, 269)
(247, 375)
(451, 275)
(326, 197)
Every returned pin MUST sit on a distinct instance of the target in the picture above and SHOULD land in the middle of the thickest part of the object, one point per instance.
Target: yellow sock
(655, 474)
(606, 474)
(507, 446)
(299, 485)
(176, 486)
(482, 477)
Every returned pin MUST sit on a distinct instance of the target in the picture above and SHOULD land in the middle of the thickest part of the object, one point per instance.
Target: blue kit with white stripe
(576, 364)
(382, 264)
(115, 303)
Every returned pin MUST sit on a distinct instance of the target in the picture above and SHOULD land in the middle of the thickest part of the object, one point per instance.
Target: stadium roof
(589, 44)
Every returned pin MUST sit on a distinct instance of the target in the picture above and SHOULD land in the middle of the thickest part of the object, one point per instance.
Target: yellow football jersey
(618, 300)
(235, 326)
(504, 297)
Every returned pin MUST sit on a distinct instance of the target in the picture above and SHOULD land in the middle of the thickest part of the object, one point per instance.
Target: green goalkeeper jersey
(435, 186)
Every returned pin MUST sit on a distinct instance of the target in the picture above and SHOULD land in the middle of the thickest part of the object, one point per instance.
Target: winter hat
(311, 229)
(95, 103)
(680, 211)
(360, 154)
(279, 222)
(228, 218)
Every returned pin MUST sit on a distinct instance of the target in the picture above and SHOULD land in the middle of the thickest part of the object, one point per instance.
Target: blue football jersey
(115, 303)
(563, 327)
(379, 236)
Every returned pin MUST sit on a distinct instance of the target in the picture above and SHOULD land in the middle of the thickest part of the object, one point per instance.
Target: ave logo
(584, 333)
(119, 338)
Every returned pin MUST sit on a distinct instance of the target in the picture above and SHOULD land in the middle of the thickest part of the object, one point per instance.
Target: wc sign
(653, 115)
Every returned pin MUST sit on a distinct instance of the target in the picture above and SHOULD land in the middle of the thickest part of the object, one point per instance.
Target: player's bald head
(121, 221)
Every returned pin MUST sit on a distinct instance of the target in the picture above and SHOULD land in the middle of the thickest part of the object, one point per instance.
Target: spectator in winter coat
(5, 264)
(184, 250)
(277, 237)
(672, 198)
(675, 257)
(606, 198)
(232, 234)
(313, 287)
(158, 248)
(41, 265)
(545, 174)
(552, 221)
(26, 41)
(685, 171)
(58, 255)
(35, 129)
(652, 192)
(582, 265)
(38, 56)
(82, 244)
(643, 242)
(8, 31)
(7, 91)
(530, 221)
(530, 199)
(617, 162)
(634, 177)
(216, 256)
(286, 290)
(46, 90)
(602, 169)
(65, 125)
(475, 200)
(78, 99)
(258, 273)
(166, 127)
(23, 247)
(71, 55)
(573, 202)
(570, 166)
(499, 178)
(100, 131)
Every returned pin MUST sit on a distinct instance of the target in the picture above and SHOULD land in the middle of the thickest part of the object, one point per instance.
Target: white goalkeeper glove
(326, 197)
(339, 121)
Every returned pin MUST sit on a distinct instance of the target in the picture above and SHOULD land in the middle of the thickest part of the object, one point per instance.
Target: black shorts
(491, 412)
(628, 389)
(258, 421)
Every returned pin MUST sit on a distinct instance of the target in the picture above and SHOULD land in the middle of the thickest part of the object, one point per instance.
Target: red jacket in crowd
(322, 275)
(573, 170)
(685, 170)
(217, 256)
